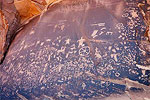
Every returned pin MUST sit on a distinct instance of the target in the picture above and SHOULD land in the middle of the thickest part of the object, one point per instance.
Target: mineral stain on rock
(79, 50)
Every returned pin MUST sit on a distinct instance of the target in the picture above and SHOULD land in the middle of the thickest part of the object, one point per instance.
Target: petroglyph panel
(89, 53)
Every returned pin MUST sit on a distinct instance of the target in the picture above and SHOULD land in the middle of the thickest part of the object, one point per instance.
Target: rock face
(79, 50)
(9, 21)
(3, 32)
